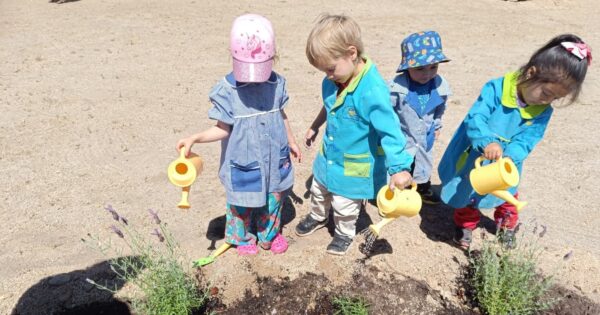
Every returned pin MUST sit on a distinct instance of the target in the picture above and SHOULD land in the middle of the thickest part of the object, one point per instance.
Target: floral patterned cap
(252, 46)
(421, 49)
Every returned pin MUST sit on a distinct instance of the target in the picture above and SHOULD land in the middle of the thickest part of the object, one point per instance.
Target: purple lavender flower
(157, 233)
(568, 255)
(543, 232)
(112, 211)
(124, 220)
(117, 231)
(154, 216)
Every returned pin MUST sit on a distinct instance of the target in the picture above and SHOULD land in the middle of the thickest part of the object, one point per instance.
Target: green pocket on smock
(357, 165)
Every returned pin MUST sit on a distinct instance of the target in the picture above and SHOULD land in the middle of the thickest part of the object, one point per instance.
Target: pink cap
(252, 48)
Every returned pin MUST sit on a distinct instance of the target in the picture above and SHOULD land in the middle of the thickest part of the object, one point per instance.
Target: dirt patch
(571, 303)
(313, 294)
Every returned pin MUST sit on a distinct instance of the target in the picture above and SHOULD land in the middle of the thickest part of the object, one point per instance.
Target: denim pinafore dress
(255, 158)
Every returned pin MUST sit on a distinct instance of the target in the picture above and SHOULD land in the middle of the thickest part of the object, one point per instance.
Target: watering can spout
(508, 197)
(376, 228)
(184, 203)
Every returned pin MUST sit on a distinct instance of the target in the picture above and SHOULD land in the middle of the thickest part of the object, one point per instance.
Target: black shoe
(339, 245)
(308, 226)
(507, 238)
(462, 237)
(430, 198)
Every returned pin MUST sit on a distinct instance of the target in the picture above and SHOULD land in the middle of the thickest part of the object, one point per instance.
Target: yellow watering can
(495, 178)
(182, 173)
(396, 203)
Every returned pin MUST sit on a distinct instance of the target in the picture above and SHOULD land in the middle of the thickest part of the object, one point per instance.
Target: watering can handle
(413, 186)
(480, 159)
(182, 152)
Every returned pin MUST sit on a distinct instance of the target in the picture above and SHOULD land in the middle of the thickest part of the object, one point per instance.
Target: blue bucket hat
(421, 49)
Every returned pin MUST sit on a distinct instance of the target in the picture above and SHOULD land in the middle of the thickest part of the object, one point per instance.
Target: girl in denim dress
(256, 139)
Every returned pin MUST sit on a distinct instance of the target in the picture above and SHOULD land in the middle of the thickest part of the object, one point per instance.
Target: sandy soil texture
(94, 95)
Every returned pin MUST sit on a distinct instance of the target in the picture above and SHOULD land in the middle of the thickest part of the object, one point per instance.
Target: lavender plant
(159, 273)
(505, 279)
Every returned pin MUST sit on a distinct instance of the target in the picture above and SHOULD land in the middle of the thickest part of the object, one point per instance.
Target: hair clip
(579, 50)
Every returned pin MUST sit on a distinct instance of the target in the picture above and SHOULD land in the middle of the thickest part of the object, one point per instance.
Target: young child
(360, 143)
(507, 120)
(256, 139)
(419, 97)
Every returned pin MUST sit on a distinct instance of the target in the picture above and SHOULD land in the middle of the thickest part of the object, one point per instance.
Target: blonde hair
(331, 37)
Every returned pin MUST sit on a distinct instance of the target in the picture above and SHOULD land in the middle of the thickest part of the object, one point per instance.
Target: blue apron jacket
(362, 142)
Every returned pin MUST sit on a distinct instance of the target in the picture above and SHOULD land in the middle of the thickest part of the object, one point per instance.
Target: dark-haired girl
(508, 119)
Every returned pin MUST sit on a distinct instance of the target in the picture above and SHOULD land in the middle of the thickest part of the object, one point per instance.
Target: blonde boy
(362, 141)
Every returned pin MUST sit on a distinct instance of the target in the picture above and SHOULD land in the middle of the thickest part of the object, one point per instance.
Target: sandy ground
(95, 93)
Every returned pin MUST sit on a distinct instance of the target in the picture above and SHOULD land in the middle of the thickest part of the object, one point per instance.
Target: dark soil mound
(313, 294)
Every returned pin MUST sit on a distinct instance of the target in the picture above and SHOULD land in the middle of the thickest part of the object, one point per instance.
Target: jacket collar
(438, 90)
(509, 97)
(353, 84)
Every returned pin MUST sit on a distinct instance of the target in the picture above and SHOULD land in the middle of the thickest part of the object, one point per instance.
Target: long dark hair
(554, 64)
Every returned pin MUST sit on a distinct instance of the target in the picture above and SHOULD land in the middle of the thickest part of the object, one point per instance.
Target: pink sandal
(246, 250)
(279, 244)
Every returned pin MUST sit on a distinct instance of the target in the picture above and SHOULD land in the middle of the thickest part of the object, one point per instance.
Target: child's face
(543, 93)
(341, 69)
(423, 74)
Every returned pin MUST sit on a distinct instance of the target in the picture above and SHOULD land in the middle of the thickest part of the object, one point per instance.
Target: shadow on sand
(70, 293)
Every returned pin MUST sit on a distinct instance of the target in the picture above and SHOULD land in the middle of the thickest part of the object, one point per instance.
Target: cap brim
(252, 72)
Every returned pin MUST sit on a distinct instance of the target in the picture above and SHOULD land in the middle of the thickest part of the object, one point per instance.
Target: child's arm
(385, 122)
(214, 133)
(291, 140)
(476, 122)
(523, 143)
(437, 119)
(311, 133)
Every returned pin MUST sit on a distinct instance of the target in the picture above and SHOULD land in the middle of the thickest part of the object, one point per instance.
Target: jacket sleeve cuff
(397, 169)
(481, 143)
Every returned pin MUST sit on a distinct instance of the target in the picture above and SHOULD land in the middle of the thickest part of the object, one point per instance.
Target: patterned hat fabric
(421, 49)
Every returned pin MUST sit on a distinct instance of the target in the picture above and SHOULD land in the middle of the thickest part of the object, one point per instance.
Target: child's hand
(295, 150)
(492, 151)
(310, 137)
(436, 134)
(185, 144)
(400, 180)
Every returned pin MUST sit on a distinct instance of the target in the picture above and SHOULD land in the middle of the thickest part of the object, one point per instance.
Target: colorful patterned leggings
(266, 219)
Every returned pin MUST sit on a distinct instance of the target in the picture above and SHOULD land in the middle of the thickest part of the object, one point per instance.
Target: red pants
(505, 215)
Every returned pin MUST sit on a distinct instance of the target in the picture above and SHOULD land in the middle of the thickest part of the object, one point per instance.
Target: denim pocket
(245, 178)
(285, 164)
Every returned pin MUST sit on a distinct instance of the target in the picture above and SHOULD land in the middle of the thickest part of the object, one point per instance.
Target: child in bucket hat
(419, 98)
(248, 104)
